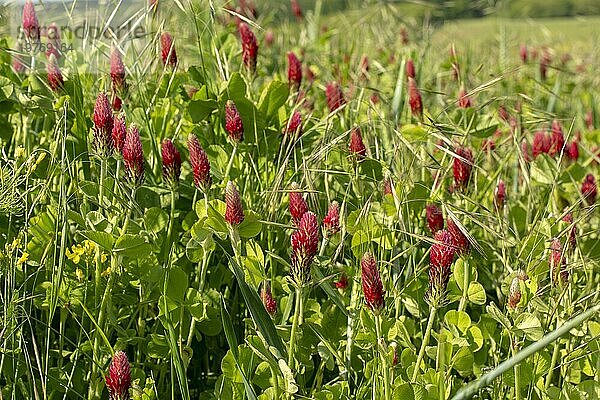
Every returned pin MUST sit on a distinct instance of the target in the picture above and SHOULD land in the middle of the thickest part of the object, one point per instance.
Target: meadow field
(298, 200)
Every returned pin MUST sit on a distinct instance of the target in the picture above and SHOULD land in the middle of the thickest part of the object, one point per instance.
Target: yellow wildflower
(23, 259)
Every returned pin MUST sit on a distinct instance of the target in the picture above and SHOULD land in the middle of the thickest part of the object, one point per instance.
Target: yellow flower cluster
(84, 250)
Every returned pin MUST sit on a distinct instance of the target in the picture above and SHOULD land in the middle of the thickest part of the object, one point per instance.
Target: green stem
(466, 280)
(167, 243)
(555, 354)
(230, 163)
(516, 370)
(275, 383)
(432, 313)
(295, 322)
(382, 354)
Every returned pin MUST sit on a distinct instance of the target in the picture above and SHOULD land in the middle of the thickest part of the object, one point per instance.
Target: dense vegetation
(326, 207)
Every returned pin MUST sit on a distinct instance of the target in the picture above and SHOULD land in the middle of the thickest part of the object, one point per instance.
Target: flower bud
(410, 69)
(54, 42)
(462, 167)
(118, 380)
(297, 206)
(500, 195)
(296, 9)
(294, 124)
(357, 146)
(103, 126)
(294, 71)
(435, 218)
(589, 190)
(464, 101)
(133, 156)
(371, 284)
(234, 212)
(31, 26)
(267, 299)
(167, 50)
(335, 96)
(414, 99)
(441, 257)
(523, 53)
(305, 243)
(249, 46)
(200, 164)
(171, 162)
(55, 78)
(117, 72)
(331, 222)
(233, 122)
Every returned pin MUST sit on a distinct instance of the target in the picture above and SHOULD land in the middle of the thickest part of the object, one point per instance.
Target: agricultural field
(297, 200)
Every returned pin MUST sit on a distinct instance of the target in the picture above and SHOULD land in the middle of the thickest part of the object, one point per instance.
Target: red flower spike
(356, 145)
(435, 218)
(500, 195)
(294, 71)
(544, 64)
(335, 96)
(462, 167)
(167, 50)
(55, 78)
(268, 300)
(54, 43)
(296, 9)
(297, 206)
(371, 284)
(342, 282)
(31, 26)
(233, 122)
(557, 263)
(414, 99)
(331, 222)
(200, 164)
(459, 239)
(388, 186)
(117, 72)
(103, 126)
(589, 190)
(133, 156)
(464, 101)
(410, 69)
(557, 139)
(441, 256)
(541, 143)
(171, 162)
(119, 131)
(572, 150)
(523, 53)
(305, 243)
(294, 124)
(234, 212)
(249, 46)
(118, 380)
